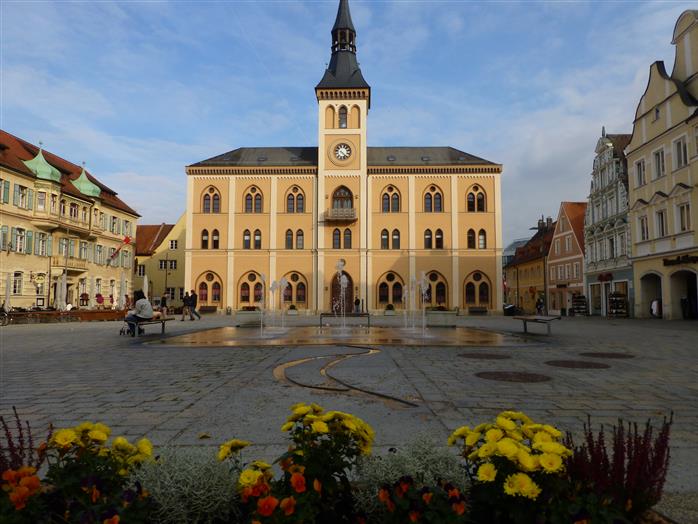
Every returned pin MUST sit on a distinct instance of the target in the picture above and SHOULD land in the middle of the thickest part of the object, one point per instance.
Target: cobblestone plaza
(176, 388)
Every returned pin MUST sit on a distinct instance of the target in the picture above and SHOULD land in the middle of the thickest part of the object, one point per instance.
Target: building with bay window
(389, 216)
(608, 274)
(55, 219)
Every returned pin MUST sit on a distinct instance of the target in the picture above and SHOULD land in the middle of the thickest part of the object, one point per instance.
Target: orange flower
(298, 482)
(114, 520)
(317, 485)
(391, 505)
(26, 471)
(295, 468)
(458, 507)
(404, 486)
(414, 516)
(267, 505)
(383, 495)
(19, 497)
(246, 493)
(288, 505)
(426, 497)
(94, 494)
(10, 476)
(260, 489)
(286, 463)
(32, 483)
(455, 493)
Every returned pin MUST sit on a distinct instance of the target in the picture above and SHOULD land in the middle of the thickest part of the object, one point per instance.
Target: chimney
(541, 224)
(549, 222)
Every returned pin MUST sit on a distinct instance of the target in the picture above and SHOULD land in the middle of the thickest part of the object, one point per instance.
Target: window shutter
(71, 248)
(30, 199)
(6, 192)
(3, 238)
(15, 200)
(49, 246)
(28, 240)
(14, 239)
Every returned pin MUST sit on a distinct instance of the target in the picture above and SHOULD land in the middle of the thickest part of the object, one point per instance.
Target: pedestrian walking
(193, 301)
(185, 306)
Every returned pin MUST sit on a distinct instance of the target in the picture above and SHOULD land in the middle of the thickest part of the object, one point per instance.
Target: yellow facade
(343, 184)
(663, 169)
(49, 228)
(526, 284)
(164, 267)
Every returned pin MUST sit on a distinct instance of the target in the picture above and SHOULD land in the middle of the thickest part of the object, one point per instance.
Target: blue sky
(138, 90)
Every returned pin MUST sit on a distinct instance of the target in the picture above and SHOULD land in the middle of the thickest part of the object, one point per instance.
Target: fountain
(426, 292)
(405, 304)
(283, 284)
(272, 289)
(261, 314)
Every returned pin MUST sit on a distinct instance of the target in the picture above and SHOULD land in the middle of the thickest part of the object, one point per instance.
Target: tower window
(343, 117)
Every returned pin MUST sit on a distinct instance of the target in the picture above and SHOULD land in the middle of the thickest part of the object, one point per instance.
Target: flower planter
(389, 313)
(442, 318)
(247, 318)
(292, 312)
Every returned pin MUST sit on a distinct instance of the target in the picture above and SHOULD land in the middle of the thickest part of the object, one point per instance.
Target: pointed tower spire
(343, 70)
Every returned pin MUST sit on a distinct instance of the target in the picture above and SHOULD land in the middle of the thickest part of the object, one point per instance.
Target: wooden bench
(160, 321)
(347, 315)
(536, 319)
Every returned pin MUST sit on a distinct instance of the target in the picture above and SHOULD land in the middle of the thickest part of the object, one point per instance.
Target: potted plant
(100, 300)
(84, 299)
(292, 310)
(389, 310)
(248, 316)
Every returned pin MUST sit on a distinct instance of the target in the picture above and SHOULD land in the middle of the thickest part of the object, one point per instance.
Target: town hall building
(389, 217)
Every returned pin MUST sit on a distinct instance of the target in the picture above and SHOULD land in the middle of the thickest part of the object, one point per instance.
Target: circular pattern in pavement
(577, 364)
(606, 355)
(484, 356)
(512, 376)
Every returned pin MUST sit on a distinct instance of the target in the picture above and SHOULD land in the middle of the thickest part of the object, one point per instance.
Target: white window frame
(680, 155)
(162, 264)
(660, 222)
(557, 246)
(140, 270)
(17, 282)
(643, 226)
(568, 244)
(173, 244)
(658, 154)
(684, 216)
(20, 240)
(73, 211)
(173, 264)
(41, 200)
(23, 197)
(42, 242)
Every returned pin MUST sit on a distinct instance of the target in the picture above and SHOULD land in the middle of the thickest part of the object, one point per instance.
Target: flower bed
(511, 470)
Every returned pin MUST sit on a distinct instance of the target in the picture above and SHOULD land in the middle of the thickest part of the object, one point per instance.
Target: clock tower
(344, 98)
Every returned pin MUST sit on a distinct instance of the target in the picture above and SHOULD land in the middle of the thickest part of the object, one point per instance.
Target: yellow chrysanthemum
(461, 431)
(320, 427)
(552, 447)
(482, 427)
(145, 447)
(260, 465)
(506, 423)
(103, 428)
(97, 436)
(302, 410)
(486, 472)
(531, 491)
(287, 426)
(516, 415)
(510, 486)
(527, 461)
(472, 439)
(493, 435)
(316, 408)
(123, 446)
(521, 484)
(249, 477)
(542, 436)
(83, 427)
(552, 430)
(487, 450)
(507, 448)
(64, 438)
(550, 462)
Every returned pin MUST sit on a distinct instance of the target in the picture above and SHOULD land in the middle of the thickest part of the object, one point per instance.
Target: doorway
(336, 296)
(684, 295)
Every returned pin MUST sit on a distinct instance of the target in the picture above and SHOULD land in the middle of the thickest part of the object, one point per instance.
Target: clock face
(342, 151)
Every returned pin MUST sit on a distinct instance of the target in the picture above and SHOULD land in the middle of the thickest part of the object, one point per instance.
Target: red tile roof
(537, 247)
(575, 212)
(13, 150)
(149, 237)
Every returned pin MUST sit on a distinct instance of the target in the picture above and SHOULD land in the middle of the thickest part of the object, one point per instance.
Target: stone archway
(335, 298)
(650, 290)
(684, 295)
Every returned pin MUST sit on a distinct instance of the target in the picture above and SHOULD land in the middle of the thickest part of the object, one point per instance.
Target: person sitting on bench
(143, 311)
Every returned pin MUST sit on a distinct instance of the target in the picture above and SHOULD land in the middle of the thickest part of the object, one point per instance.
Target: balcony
(73, 264)
(341, 214)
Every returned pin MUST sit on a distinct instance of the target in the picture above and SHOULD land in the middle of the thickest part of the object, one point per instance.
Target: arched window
(471, 239)
(248, 203)
(440, 293)
(300, 292)
(471, 202)
(395, 199)
(427, 239)
(289, 239)
(386, 203)
(433, 200)
(347, 238)
(300, 204)
(246, 239)
(482, 239)
(481, 202)
(204, 239)
(484, 297)
(300, 239)
(342, 117)
(215, 238)
(216, 292)
(216, 203)
(288, 293)
(470, 293)
(342, 198)
(384, 239)
(290, 203)
(258, 203)
(438, 208)
(257, 239)
(203, 292)
(336, 239)
(207, 203)
(396, 239)
(245, 292)
(397, 293)
(428, 203)
(439, 239)
(258, 292)
(383, 293)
